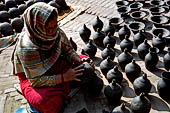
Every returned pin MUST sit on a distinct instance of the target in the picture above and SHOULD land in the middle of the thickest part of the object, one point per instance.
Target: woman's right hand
(72, 74)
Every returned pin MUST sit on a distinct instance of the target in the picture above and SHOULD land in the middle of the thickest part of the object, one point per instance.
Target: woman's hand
(88, 60)
(72, 74)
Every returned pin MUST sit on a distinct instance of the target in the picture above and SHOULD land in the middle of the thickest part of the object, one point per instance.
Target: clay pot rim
(122, 3)
(165, 32)
(126, 8)
(165, 75)
(157, 1)
(140, 26)
(139, 5)
(164, 19)
(168, 3)
(161, 10)
(116, 21)
(156, 50)
(143, 13)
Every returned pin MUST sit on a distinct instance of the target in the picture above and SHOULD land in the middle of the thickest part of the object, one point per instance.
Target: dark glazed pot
(10, 3)
(29, 3)
(4, 16)
(163, 86)
(109, 29)
(136, 6)
(17, 24)
(109, 40)
(141, 104)
(14, 12)
(122, 109)
(121, 3)
(85, 33)
(132, 71)
(139, 38)
(157, 2)
(90, 49)
(6, 29)
(166, 60)
(106, 65)
(164, 32)
(142, 85)
(151, 59)
(114, 74)
(157, 10)
(62, 4)
(138, 15)
(97, 23)
(143, 49)
(113, 93)
(3, 7)
(123, 32)
(159, 21)
(22, 8)
(108, 51)
(19, 2)
(98, 38)
(124, 58)
(136, 27)
(54, 4)
(159, 43)
(116, 22)
(123, 11)
(95, 85)
(73, 44)
(126, 43)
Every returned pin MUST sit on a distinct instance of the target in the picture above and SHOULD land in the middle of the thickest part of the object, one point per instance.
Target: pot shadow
(158, 104)
(97, 61)
(128, 92)
(136, 57)
(157, 72)
(160, 64)
(153, 89)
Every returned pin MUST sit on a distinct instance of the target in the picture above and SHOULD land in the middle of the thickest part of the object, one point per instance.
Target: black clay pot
(114, 74)
(90, 49)
(164, 32)
(132, 71)
(123, 11)
(157, 3)
(97, 23)
(151, 59)
(135, 27)
(139, 38)
(3, 7)
(116, 22)
(124, 31)
(29, 3)
(108, 51)
(62, 4)
(136, 6)
(17, 24)
(159, 42)
(109, 40)
(4, 16)
(122, 109)
(126, 43)
(73, 44)
(138, 15)
(14, 12)
(98, 38)
(124, 58)
(159, 21)
(19, 2)
(113, 93)
(157, 10)
(35, 1)
(166, 60)
(85, 33)
(22, 8)
(143, 49)
(168, 3)
(95, 85)
(54, 4)
(163, 86)
(142, 85)
(121, 3)
(106, 65)
(140, 104)
(6, 29)
(10, 3)
(109, 29)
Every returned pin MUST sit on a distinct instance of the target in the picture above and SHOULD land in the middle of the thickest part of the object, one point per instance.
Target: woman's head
(41, 24)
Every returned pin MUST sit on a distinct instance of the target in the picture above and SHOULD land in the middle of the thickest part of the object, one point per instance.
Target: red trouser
(47, 100)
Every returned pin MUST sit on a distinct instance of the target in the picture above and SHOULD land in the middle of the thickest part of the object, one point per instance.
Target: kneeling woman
(43, 58)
